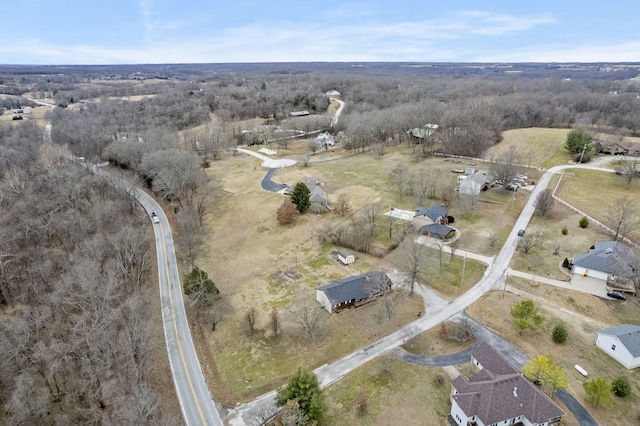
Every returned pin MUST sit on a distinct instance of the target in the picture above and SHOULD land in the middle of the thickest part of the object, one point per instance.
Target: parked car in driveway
(616, 295)
(512, 187)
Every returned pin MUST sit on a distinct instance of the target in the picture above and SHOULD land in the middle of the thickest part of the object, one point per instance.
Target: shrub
(621, 386)
(584, 222)
(560, 333)
(566, 264)
(565, 230)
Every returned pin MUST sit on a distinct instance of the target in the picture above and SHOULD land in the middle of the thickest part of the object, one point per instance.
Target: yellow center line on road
(175, 327)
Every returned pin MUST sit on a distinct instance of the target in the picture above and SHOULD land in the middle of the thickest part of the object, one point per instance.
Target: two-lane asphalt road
(193, 394)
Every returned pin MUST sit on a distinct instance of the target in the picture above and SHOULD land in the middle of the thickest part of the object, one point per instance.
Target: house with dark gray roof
(609, 261)
(499, 394)
(437, 230)
(622, 343)
(432, 214)
(352, 291)
(317, 193)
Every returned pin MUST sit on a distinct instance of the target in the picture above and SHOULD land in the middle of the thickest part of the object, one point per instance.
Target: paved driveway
(517, 357)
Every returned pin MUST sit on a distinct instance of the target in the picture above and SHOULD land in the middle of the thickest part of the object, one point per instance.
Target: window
(613, 347)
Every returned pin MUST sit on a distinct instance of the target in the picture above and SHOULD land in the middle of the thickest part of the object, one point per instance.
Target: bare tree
(544, 201)
(190, 239)
(312, 146)
(529, 240)
(274, 322)
(630, 169)
(493, 237)
(415, 259)
(342, 205)
(622, 218)
(370, 214)
(379, 285)
(506, 166)
(400, 176)
(174, 174)
(309, 319)
(205, 198)
(250, 320)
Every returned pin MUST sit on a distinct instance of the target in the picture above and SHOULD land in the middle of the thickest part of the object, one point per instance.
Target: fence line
(591, 219)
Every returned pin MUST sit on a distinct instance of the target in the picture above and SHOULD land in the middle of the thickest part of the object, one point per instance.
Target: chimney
(515, 391)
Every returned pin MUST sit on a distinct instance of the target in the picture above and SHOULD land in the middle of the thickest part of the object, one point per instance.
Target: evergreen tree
(303, 387)
(200, 288)
(578, 140)
(300, 197)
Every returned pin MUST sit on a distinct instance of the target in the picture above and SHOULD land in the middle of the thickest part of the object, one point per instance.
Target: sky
(72, 32)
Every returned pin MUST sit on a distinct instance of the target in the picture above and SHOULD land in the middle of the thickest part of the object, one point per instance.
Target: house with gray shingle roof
(610, 261)
(352, 291)
(436, 230)
(499, 394)
(622, 343)
(428, 215)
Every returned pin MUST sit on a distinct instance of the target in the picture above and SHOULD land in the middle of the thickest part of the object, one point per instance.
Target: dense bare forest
(76, 255)
(76, 342)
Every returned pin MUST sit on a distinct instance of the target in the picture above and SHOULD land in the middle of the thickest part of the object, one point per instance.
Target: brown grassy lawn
(540, 260)
(247, 248)
(37, 115)
(596, 192)
(583, 315)
(398, 393)
(537, 146)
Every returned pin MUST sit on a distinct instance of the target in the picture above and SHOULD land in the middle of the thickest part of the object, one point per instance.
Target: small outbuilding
(346, 257)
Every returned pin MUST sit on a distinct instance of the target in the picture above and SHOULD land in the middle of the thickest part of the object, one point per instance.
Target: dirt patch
(285, 277)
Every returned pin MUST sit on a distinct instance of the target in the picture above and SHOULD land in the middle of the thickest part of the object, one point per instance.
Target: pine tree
(300, 197)
(303, 387)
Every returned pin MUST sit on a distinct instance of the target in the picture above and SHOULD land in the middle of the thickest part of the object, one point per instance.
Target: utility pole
(582, 155)
(464, 264)
(506, 275)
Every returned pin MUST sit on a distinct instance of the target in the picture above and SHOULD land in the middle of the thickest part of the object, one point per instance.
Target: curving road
(193, 394)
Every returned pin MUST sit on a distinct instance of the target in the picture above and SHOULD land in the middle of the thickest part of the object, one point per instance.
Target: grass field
(247, 250)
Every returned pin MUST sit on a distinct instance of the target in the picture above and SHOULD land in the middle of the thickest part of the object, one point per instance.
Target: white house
(325, 140)
(607, 261)
(622, 343)
(472, 184)
(346, 257)
(499, 395)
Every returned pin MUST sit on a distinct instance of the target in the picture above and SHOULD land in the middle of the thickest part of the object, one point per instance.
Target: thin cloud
(615, 52)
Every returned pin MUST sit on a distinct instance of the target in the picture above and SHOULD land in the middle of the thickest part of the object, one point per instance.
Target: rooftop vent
(609, 250)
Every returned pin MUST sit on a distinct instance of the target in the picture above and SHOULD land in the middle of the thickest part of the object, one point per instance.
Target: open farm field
(536, 146)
